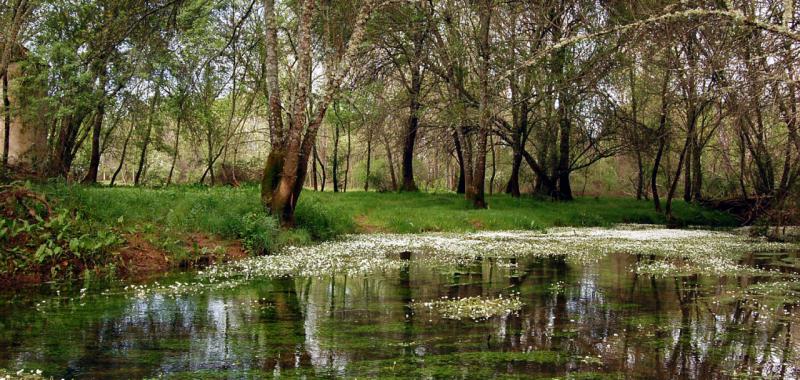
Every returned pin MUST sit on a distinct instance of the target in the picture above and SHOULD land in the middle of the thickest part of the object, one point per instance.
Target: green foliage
(59, 246)
(230, 213)
(258, 232)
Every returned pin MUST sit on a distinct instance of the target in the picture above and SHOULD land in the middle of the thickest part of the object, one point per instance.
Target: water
(580, 319)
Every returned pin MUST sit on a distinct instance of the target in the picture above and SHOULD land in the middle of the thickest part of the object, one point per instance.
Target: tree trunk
(674, 185)
(697, 175)
(94, 163)
(274, 165)
(494, 166)
(335, 164)
(175, 150)
(390, 162)
(314, 173)
(662, 142)
(411, 132)
(485, 123)
(323, 176)
(143, 155)
(460, 187)
(565, 127)
(369, 161)
(640, 176)
(6, 123)
(687, 169)
(347, 158)
(122, 156)
(294, 164)
(512, 187)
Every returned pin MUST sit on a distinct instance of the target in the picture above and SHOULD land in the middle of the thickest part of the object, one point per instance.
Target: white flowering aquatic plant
(23, 374)
(476, 308)
(668, 252)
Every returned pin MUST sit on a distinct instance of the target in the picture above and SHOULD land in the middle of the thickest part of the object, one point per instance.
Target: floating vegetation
(476, 308)
(22, 374)
(670, 252)
(557, 287)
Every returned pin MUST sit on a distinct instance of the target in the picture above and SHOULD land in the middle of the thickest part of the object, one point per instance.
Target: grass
(230, 213)
(448, 212)
(321, 216)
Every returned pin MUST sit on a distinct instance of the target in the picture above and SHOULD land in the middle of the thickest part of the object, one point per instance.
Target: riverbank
(123, 231)
(325, 215)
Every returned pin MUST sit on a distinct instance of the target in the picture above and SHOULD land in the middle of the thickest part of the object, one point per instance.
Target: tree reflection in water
(596, 318)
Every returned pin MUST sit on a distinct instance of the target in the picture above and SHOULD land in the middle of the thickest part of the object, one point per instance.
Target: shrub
(258, 232)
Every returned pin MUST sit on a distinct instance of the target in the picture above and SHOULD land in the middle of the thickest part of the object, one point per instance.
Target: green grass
(420, 212)
(223, 211)
(230, 213)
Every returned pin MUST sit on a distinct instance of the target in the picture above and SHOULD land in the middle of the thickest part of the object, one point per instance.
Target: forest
(302, 141)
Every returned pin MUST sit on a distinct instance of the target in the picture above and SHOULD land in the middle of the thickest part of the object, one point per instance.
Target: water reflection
(596, 318)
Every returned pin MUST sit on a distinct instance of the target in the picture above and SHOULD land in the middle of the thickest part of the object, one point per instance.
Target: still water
(587, 319)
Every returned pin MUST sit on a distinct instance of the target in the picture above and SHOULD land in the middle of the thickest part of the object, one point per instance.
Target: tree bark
(175, 147)
(274, 165)
(335, 163)
(347, 158)
(411, 131)
(390, 162)
(485, 123)
(662, 142)
(674, 185)
(460, 187)
(143, 154)
(122, 156)
(294, 164)
(565, 129)
(369, 160)
(6, 123)
(94, 162)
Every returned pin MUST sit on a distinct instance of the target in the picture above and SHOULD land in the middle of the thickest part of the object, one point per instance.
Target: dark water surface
(595, 320)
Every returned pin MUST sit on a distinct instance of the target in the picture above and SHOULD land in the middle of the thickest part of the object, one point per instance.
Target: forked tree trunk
(287, 166)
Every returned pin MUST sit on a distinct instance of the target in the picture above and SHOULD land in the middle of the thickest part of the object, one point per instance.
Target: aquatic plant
(34, 374)
(475, 308)
(668, 252)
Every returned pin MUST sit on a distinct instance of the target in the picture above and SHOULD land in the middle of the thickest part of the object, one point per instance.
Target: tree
(287, 162)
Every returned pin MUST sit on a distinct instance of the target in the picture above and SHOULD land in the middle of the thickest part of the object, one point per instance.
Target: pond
(632, 301)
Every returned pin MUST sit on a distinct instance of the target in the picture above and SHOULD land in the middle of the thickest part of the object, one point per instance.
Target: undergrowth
(50, 243)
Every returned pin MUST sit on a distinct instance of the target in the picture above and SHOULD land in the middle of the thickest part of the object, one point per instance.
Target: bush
(258, 232)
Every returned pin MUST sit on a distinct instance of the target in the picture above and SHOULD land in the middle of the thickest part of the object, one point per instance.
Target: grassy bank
(420, 212)
(123, 229)
(320, 216)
